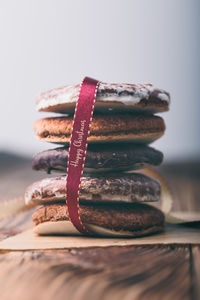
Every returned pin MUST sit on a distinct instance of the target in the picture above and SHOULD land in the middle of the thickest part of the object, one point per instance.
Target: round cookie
(113, 187)
(101, 158)
(104, 128)
(143, 98)
(134, 219)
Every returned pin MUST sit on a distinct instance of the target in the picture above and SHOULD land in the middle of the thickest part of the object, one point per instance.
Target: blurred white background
(50, 43)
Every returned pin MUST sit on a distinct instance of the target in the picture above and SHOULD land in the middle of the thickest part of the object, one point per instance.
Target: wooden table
(131, 272)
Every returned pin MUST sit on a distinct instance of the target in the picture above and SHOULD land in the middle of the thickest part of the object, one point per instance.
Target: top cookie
(110, 97)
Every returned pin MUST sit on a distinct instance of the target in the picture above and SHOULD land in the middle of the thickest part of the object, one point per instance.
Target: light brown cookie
(133, 219)
(104, 128)
(110, 97)
(111, 187)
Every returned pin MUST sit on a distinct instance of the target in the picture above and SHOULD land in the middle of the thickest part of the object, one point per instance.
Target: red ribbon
(78, 148)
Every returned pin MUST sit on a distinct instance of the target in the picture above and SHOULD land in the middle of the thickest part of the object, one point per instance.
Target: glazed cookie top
(112, 187)
(110, 96)
(100, 158)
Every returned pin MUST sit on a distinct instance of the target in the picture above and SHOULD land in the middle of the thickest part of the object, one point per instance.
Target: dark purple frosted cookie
(101, 158)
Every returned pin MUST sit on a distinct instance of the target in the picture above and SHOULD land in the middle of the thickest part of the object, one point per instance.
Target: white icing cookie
(110, 97)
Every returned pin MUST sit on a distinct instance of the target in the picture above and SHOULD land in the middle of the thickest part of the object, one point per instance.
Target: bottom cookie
(132, 219)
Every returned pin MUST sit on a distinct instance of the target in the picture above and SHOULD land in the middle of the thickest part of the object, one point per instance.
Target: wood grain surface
(148, 272)
(131, 272)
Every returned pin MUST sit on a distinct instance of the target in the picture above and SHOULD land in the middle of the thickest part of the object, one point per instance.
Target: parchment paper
(27, 240)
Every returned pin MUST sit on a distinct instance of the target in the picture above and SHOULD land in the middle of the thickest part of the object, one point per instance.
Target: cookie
(104, 128)
(100, 158)
(142, 98)
(111, 187)
(133, 219)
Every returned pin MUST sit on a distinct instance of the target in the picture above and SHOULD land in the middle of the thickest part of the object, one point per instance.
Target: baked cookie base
(136, 219)
(104, 128)
(140, 138)
(108, 107)
(66, 228)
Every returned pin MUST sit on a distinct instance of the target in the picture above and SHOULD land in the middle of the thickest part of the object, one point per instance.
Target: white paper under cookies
(27, 240)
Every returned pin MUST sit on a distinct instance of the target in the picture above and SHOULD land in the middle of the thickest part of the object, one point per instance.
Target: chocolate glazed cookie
(101, 158)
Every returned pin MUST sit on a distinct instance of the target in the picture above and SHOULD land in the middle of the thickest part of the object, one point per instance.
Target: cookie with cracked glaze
(111, 97)
(110, 187)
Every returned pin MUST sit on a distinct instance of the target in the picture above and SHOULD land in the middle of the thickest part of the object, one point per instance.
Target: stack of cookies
(114, 200)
